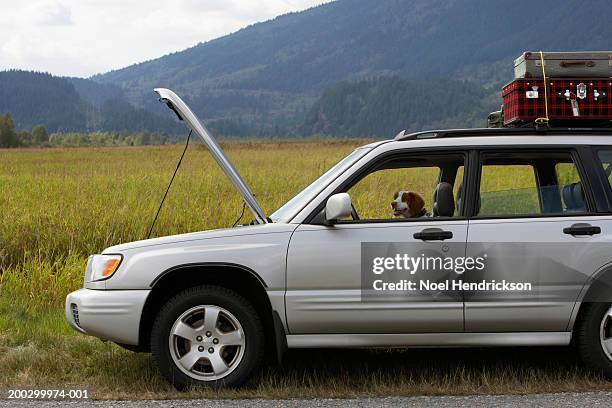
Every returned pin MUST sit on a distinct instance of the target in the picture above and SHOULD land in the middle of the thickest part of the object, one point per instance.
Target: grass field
(60, 205)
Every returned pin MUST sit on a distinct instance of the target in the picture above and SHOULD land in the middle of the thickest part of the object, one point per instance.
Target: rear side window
(605, 156)
(509, 189)
(530, 184)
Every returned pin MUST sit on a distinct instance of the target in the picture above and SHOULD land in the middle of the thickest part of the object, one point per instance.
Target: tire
(223, 350)
(593, 331)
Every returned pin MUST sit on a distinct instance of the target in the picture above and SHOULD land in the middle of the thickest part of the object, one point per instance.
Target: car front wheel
(207, 336)
(594, 337)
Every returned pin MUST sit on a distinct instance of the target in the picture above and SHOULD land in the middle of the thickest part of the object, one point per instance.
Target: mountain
(382, 106)
(427, 62)
(73, 104)
(95, 92)
(33, 98)
(269, 75)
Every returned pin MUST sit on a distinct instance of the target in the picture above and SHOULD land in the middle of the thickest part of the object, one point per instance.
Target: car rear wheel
(594, 337)
(207, 336)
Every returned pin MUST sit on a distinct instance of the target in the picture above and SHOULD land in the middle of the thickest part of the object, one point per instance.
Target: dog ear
(415, 203)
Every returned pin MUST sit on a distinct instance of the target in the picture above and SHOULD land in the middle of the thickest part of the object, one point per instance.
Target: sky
(86, 37)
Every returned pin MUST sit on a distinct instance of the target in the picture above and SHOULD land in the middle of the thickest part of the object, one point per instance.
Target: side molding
(429, 340)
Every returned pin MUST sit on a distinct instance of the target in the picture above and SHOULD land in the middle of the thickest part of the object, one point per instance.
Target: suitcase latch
(533, 94)
(581, 91)
(570, 96)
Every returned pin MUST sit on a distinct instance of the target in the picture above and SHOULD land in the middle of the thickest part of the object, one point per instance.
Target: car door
(536, 222)
(329, 274)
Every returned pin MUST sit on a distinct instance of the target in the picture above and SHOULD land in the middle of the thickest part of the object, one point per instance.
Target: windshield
(287, 211)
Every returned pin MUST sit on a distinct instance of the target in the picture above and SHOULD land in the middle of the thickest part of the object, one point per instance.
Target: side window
(530, 184)
(567, 173)
(605, 156)
(571, 189)
(508, 190)
(404, 188)
(458, 190)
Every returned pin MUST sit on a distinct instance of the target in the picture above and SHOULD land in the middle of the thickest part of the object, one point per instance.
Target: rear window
(530, 183)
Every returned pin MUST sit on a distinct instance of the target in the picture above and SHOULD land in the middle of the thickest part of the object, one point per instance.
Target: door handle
(582, 229)
(433, 234)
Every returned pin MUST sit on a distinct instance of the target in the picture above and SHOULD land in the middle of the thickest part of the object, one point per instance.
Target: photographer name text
(405, 285)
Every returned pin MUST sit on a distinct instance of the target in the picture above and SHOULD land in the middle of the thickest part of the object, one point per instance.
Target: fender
(250, 285)
(208, 264)
(597, 288)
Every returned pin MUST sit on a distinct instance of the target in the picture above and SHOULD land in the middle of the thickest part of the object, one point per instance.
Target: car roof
(498, 137)
(480, 132)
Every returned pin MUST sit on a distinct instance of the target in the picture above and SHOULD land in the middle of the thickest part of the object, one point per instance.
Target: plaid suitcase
(584, 100)
(586, 64)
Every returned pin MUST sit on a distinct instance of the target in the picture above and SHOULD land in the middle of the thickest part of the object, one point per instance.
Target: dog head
(407, 204)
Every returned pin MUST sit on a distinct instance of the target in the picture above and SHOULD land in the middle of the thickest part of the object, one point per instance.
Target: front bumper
(108, 314)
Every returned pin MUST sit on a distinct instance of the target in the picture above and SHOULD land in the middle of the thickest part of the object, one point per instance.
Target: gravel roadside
(590, 399)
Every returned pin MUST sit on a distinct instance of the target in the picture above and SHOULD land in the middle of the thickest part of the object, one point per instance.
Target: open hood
(186, 114)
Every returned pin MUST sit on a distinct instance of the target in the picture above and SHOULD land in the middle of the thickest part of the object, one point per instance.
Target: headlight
(101, 267)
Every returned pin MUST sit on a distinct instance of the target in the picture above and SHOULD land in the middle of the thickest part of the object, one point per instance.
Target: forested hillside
(313, 72)
(269, 74)
(385, 105)
(34, 98)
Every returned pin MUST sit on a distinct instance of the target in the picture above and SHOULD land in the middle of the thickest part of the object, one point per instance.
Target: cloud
(51, 14)
(85, 37)
(208, 5)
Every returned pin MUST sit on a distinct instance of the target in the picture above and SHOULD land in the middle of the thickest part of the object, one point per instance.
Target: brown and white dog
(408, 204)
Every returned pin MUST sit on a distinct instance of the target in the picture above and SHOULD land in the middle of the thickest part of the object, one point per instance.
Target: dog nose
(393, 204)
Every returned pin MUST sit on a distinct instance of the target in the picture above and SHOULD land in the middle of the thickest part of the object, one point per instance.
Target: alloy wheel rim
(605, 334)
(207, 342)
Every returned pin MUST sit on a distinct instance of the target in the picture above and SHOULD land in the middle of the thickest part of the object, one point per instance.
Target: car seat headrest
(443, 200)
(573, 197)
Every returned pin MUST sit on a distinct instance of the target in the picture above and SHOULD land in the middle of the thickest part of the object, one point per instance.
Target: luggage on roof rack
(562, 88)
(579, 100)
(591, 64)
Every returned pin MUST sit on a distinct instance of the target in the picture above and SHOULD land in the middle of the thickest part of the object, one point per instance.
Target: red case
(520, 109)
(517, 107)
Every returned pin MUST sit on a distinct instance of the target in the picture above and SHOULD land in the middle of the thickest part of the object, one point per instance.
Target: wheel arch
(598, 288)
(238, 278)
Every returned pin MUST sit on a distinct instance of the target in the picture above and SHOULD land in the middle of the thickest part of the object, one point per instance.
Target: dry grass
(78, 201)
(68, 360)
(59, 205)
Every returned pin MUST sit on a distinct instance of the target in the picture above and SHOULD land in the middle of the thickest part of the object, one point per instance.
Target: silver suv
(517, 225)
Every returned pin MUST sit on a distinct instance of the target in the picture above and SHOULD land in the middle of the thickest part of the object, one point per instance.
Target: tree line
(40, 137)
(35, 97)
(383, 106)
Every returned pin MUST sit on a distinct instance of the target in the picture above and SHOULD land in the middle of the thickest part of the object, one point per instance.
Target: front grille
(75, 313)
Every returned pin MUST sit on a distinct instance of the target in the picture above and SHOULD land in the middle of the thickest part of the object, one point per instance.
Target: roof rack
(439, 134)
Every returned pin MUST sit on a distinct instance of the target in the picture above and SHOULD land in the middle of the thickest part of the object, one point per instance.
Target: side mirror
(338, 207)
